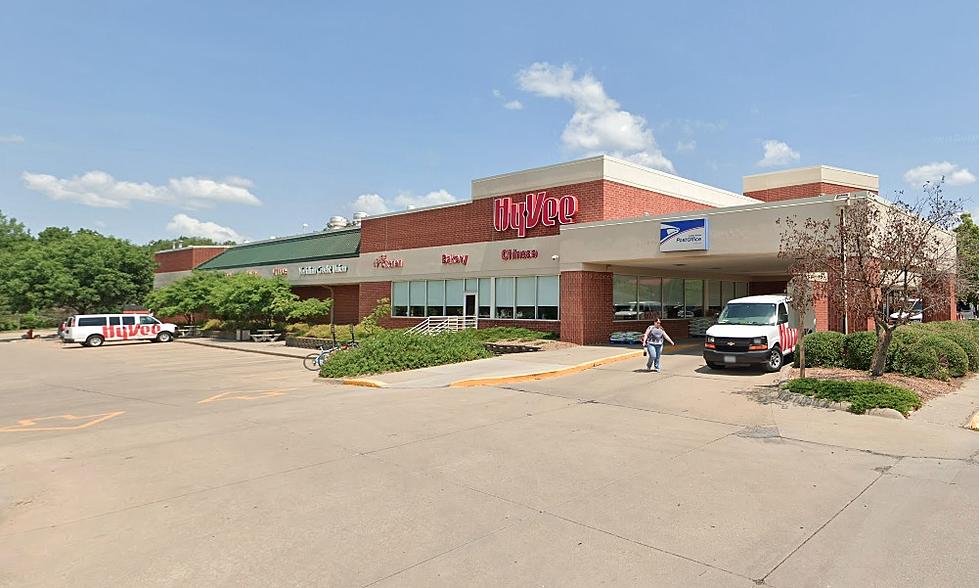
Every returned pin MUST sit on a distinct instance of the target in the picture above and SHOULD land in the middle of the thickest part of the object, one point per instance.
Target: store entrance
(470, 308)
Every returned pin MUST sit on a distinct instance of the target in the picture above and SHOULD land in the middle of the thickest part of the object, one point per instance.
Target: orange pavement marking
(27, 425)
(224, 396)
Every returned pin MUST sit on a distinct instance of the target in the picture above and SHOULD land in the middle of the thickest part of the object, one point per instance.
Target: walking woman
(652, 340)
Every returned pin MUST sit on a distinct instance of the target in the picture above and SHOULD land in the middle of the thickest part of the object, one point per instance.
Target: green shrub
(858, 350)
(398, 350)
(964, 337)
(510, 334)
(862, 395)
(297, 329)
(213, 325)
(902, 341)
(823, 350)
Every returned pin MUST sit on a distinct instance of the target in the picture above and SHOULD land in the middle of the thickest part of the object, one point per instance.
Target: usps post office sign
(683, 235)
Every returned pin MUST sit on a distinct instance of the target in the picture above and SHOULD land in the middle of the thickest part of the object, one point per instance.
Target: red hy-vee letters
(536, 209)
(126, 331)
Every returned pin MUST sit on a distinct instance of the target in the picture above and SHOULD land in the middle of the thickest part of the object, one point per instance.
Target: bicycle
(314, 361)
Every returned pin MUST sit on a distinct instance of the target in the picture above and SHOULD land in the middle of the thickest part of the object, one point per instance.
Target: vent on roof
(337, 222)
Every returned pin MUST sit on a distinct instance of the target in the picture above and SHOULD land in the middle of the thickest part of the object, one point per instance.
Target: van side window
(114, 321)
(91, 321)
(129, 320)
(783, 314)
(148, 320)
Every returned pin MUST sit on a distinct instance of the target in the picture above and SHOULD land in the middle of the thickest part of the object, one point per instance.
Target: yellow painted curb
(974, 423)
(364, 383)
(543, 375)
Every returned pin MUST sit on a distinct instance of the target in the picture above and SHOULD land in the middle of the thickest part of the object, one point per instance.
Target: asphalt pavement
(178, 465)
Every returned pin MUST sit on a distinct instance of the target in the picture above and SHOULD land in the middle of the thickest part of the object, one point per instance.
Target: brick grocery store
(583, 249)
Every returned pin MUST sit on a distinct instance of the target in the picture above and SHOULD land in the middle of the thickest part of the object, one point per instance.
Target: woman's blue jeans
(653, 353)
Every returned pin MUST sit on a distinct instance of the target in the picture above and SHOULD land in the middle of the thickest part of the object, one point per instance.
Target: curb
(362, 382)
(259, 351)
(543, 375)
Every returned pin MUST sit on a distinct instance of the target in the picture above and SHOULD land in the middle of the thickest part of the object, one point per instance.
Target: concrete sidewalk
(278, 348)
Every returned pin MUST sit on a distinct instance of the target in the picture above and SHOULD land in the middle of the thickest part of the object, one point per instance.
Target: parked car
(965, 310)
(754, 330)
(92, 330)
(914, 315)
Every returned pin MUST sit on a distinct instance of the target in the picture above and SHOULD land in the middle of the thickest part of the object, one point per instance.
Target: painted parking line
(58, 423)
(227, 396)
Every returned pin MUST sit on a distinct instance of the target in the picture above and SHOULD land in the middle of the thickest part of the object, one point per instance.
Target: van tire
(94, 341)
(775, 360)
(164, 337)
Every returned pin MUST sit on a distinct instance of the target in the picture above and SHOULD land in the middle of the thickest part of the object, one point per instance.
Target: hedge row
(937, 350)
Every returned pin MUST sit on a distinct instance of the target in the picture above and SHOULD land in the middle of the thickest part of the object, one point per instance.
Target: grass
(862, 395)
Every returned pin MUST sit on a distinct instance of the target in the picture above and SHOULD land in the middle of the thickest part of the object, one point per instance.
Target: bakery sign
(454, 259)
(330, 268)
(537, 209)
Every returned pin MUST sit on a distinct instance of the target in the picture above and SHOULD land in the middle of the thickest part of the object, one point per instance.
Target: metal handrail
(441, 324)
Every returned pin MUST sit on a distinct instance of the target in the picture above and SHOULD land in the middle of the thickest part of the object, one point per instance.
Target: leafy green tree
(309, 309)
(164, 244)
(967, 243)
(13, 234)
(189, 297)
(249, 299)
(82, 272)
(372, 322)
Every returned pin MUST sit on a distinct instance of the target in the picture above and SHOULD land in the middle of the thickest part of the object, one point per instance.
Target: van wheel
(775, 360)
(164, 337)
(94, 341)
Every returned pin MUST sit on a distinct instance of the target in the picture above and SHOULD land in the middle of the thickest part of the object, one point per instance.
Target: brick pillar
(586, 307)
(943, 309)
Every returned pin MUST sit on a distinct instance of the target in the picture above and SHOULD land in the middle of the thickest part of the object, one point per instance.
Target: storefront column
(586, 307)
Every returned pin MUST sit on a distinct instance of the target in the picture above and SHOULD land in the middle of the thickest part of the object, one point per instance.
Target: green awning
(325, 245)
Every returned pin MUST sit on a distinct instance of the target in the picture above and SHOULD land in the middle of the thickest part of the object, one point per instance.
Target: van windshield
(747, 313)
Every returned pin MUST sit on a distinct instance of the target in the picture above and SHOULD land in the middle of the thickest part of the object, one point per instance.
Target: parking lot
(179, 465)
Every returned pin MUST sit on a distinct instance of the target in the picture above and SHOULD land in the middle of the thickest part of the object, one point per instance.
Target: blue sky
(143, 119)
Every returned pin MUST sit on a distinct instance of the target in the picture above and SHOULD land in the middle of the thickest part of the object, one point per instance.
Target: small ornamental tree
(250, 299)
(188, 297)
(876, 252)
(308, 309)
(372, 322)
(967, 241)
(804, 290)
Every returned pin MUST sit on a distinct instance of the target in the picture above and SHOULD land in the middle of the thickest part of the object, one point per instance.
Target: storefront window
(436, 298)
(713, 298)
(693, 298)
(548, 297)
(727, 292)
(399, 299)
(673, 298)
(526, 298)
(650, 304)
(485, 297)
(740, 289)
(504, 298)
(624, 298)
(454, 297)
(416, 298)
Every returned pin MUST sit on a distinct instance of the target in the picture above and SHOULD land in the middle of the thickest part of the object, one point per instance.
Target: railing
(442, 324)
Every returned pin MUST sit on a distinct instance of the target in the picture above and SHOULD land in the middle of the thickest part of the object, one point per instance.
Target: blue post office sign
(683, 235)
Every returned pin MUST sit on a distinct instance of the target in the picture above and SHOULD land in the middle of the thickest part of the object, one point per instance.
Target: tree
(251, 299)
(372, 322)
(308, 309)
(82, 272)
(804, 291)
(878, 258)
(188, 297)
(164, 244)
(967, 241)
(13, 234)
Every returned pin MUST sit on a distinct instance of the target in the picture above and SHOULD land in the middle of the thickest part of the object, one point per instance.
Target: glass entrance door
(471, 306)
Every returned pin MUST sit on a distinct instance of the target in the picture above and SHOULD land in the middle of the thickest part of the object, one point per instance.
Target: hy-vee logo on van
(683, 235)
(126, 331)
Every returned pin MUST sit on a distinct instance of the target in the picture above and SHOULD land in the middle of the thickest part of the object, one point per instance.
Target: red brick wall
(801, 191)
(942, 310)
(586, 307)
(185, 259)
(346, 301)
(473, 222)
(369, 293)
(621, 201)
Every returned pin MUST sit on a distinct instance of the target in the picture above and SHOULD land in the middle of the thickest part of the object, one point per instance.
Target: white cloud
(187, 226)
(598, 124)
(778, 153)
(377, 204)
(11, 139)
(954, 175)
(100, 190)
(508, 104)
(684, 145)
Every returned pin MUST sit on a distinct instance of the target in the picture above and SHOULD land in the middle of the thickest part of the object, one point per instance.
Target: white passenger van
(755, 330)
(92, 330)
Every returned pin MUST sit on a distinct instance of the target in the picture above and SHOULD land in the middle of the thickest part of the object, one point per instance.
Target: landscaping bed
(859, 395)
(925, 388)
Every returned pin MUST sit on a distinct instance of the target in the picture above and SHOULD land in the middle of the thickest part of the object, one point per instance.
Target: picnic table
(189, 331)
(265, 336)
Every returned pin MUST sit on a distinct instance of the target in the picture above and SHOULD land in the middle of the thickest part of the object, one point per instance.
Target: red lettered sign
(536, 209)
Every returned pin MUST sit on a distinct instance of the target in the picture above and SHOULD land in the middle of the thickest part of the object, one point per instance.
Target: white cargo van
(92, 330)
(755, 330)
